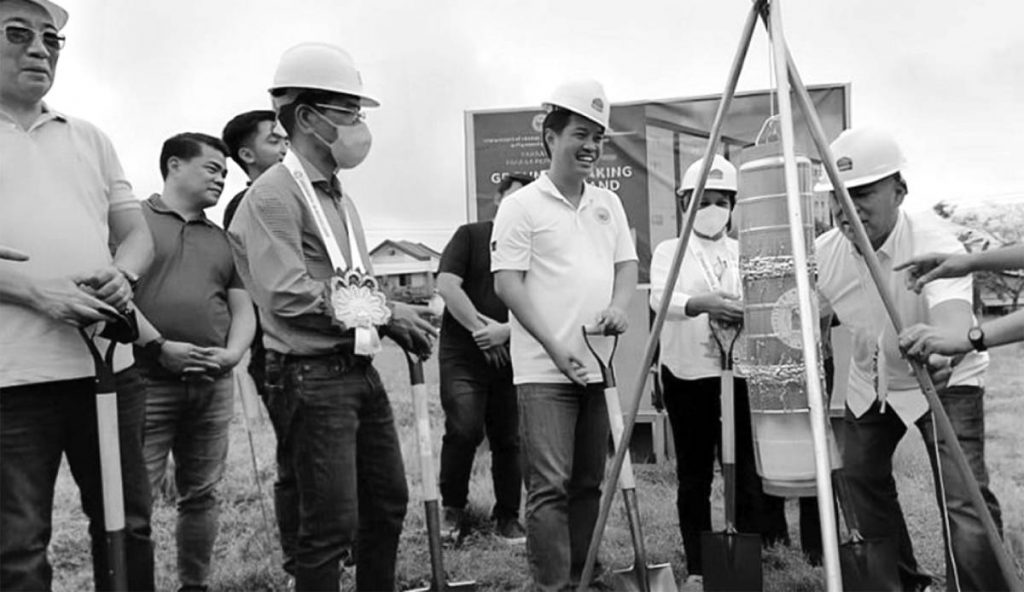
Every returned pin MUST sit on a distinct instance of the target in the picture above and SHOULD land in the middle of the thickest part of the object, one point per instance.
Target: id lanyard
(367, 340)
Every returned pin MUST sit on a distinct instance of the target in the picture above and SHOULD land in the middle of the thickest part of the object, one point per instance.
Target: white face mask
(711, 220)
(352, 144)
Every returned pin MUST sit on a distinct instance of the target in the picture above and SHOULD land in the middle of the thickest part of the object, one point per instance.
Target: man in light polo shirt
(204, 321)
(563, 258)
(341, 481)
(883, 397)
(65, 200)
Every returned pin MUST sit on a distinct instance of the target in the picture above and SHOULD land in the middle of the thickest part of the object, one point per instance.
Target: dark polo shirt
(468, 255)
(185, 292)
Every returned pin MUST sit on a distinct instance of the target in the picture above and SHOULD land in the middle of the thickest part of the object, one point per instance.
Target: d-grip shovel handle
(611, 399)
(121, 328)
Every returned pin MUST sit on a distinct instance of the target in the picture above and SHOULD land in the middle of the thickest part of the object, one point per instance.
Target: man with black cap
(65, 201)
(301, 252)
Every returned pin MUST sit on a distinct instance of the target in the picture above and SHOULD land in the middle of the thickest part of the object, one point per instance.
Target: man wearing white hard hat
(563, 257)
(66, 201)
(884, 398)
(300, 249)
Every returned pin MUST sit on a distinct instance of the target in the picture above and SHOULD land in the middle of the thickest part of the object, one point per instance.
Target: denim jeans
(476, 399)
(341, 481)
(868, 446)
(38, 424)
(564, 431)
(190, 420)
(694, 409)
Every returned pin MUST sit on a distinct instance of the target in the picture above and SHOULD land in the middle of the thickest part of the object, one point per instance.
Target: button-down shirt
(569, 255)
(59, 181)
(283, 262)
(878, 368)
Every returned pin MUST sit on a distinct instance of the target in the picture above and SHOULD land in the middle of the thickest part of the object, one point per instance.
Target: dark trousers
(38, 424)
(477, 399)
(341, 481)
(868, 445)
(694, 409)
(565, 443)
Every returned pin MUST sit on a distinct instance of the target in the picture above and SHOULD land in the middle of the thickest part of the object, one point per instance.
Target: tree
(991, 226)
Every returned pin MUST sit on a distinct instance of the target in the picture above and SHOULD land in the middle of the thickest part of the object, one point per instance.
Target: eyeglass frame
(358, 115)
(58, 40)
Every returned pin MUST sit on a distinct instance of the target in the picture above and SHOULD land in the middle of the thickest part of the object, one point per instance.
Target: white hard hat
(57, 13)
(864, 155)
(722, 175)
(583, 97)
(319, 66)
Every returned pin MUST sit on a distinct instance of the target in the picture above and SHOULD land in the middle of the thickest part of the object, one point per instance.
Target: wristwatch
(977, 338)
(154, 348)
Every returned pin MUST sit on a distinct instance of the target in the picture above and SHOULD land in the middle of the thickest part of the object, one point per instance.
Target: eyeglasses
(353, 116)
(19, 35)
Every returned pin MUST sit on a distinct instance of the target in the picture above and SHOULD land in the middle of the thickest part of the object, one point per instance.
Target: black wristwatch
(154, 348)
(977, 338)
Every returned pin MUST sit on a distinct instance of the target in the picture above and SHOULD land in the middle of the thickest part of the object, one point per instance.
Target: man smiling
(563, 257)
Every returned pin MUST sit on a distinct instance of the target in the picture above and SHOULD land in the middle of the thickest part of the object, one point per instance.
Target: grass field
(247, 557)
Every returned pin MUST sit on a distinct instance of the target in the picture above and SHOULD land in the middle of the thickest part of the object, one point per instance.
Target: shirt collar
(317, 178)
(546, 185)
(156, 202)
(47, 116)
(888, 248)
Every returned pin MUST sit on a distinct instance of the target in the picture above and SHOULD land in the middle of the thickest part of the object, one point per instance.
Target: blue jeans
(190, 420)
(868, 445)
(38, 424)
(341, 481)
(476, 399)
(564, 431)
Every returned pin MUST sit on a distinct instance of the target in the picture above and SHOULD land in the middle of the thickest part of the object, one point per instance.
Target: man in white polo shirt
(884, 397)
(563, 257)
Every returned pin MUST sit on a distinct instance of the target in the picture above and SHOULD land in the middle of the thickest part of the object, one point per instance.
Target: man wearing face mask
(337, 449)
(708, 289)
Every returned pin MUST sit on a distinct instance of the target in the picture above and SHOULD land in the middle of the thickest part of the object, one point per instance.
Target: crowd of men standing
(292, 269)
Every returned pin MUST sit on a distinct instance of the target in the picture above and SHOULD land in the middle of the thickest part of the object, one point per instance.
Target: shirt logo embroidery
(603, 215)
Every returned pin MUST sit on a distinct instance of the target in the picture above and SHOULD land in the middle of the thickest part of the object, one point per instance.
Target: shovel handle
(729, 447)
(611, 399)
(607, 371)
(424, 443)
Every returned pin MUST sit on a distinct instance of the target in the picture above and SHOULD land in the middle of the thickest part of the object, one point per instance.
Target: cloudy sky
(947, 78)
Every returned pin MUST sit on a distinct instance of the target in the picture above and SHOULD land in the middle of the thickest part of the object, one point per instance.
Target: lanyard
(713, 281)
(291, 162)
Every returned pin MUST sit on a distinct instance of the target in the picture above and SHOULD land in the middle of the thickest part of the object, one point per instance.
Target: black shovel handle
(607, 371)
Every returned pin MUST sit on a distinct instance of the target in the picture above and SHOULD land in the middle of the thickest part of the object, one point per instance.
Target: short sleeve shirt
(185, 291)
(846, 285)
(468, 256)
(568, 255)
(59, 182)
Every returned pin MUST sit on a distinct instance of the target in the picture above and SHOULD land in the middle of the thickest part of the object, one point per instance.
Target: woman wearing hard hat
(563, 257)
(707, 290)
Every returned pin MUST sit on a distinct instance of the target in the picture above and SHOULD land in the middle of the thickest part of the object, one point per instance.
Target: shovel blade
(869, 565)
(731, 561)
(468, 586)
(659, 579)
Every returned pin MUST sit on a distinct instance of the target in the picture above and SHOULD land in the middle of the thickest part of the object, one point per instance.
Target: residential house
(406, 270)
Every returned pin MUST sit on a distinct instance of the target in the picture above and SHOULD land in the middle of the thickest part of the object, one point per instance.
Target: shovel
(120, 329)
(641, 577)
(428, 478)
(730, 560)
(867, 565)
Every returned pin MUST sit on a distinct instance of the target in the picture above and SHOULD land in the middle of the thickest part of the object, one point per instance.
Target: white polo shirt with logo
(569, 256)
(846, 285)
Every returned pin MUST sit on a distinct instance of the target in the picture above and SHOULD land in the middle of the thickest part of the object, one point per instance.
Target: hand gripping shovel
(868, 565)
(122, 329)
(641, 577)
(428, 480)
(730, 560)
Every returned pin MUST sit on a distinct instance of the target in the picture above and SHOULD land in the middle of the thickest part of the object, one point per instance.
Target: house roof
(416, 250)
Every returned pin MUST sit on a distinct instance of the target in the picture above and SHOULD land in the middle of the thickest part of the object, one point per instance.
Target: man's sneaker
(451, 524)
(510, 531)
